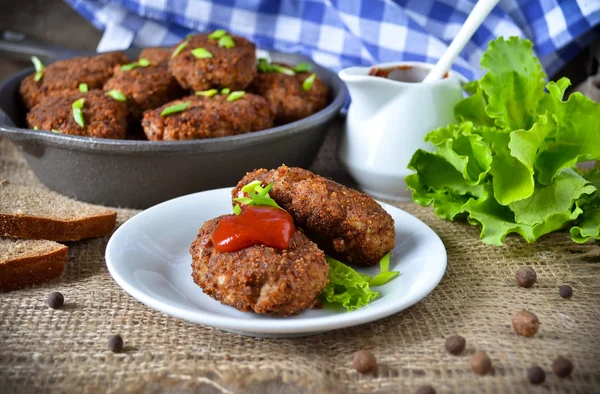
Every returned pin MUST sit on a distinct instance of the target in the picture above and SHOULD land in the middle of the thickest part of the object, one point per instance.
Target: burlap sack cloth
(45, 350)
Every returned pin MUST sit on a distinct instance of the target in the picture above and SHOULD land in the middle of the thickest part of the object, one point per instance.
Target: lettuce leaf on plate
(346, 287)
(508, 164)
(351, 289)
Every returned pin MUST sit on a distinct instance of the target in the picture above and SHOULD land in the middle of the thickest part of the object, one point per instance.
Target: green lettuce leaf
(512, 180)
(445, 204)
(346, 287)
(555, 200)
(588, 227)
(466, 151)
(513, 84)
(436, 173)
(577, 138)
(508, 165)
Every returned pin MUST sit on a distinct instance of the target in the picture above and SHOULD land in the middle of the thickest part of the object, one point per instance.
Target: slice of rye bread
(29, 262)
(39, 214)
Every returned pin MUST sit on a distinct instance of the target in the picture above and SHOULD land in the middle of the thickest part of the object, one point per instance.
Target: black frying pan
(139, 174)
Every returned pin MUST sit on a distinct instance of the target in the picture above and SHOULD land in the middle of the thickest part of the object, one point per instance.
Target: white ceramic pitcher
(388, 119)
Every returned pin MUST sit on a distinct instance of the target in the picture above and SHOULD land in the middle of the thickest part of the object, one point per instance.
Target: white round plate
(149, 258)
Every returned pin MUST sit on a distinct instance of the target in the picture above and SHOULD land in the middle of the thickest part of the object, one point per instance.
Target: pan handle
(21, 46)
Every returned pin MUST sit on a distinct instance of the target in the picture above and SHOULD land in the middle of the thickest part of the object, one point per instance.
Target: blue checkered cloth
(343, 33)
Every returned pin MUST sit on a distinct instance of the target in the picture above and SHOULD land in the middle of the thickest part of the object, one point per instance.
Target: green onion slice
(56, 131)
(302, 67)
(244, 200)
(207, 93)
(83, 87)
(265, 192)
(79, 103)
(179, 48)
(202, 53)
(250, 187)
(226, 42)
(36, 128)
(308, 82)
(77, 113)
(175, 108)
(236, 95)
(217, 34)
(225, 91)
(282, 70)
(257, 195)
(144, 62)
(39, 68)
(384, 263)
(237, 209)
(260, 200)
(117, 95)
(383, 278)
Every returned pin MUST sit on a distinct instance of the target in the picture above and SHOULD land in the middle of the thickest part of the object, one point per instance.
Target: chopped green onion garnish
(202, 53)
(237, 209)
(385, 275)
(77, 113)
(226, 42)
(263, 65)
(39, 68)
(217, 34)
(179, 48)
(79, 103)
(244, 200)
(250, 187)
(144, 62)
(225, 91)
(383, 278)
(266, 190)
(56, 131)
(236, 95)
(282, 70)
(207, 93)
(384, 263)
(175, 108)
(257, 195)
(36, 128)
(260, 200)
(302, 67)
(117, 95)
(308, 82)
(83, 87)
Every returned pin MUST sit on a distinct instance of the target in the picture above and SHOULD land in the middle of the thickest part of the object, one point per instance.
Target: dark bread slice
(29, 262)
(30, 213)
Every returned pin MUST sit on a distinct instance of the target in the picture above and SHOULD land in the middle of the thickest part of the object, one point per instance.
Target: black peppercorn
(55, 300)
(455, 344)
(481, 363)
(562, 367)
(526, 277)
(364, 361)
(565, 291)
(115, 343)
(536, 375)
(425, 390)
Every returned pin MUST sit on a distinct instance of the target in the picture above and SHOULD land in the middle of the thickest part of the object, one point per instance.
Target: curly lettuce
(351, 289)
(508, 165)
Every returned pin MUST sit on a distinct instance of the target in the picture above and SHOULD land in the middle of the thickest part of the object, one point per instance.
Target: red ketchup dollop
(256, 225)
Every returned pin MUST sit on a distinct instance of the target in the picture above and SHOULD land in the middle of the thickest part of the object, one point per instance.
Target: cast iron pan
(139, 174)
